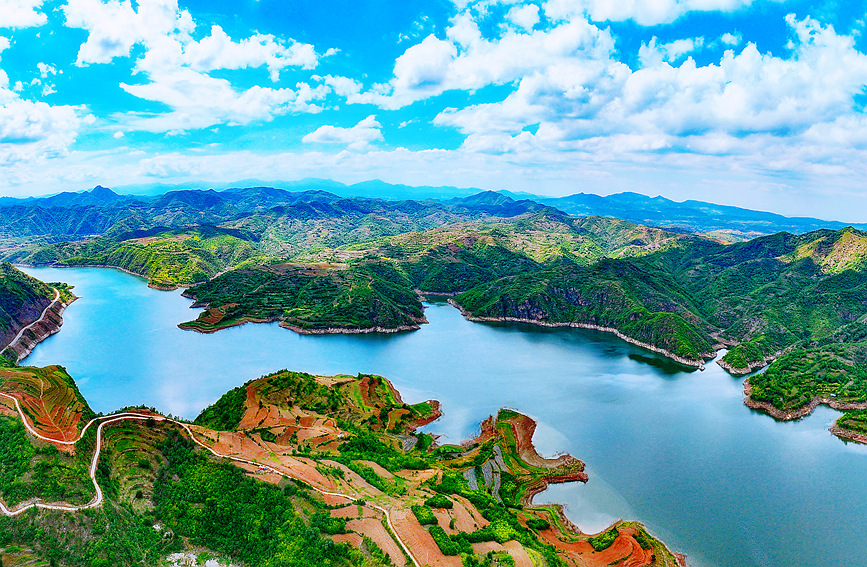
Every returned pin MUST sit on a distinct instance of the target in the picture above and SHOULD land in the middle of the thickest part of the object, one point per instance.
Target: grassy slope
(834, 368)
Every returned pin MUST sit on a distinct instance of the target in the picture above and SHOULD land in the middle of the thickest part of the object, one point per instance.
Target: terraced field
(49, 398)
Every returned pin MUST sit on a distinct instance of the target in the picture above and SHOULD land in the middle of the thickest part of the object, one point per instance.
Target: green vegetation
(225, 414)
(641, 302)
(604, 540)
(217, 506)
(853, 421)
(538, 524)
(165, 258)
(361, 296)
(833, 367)
(439, 501)
(424, 515)
(795, 379)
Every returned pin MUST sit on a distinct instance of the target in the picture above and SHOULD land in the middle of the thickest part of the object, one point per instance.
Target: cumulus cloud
(177, 66)
(747, 103)
(731, 39)
(358, 137)
(644, 12)
(465, 60)
(32, 131)
(525, 17)
(199, 101)
(218, 51)
(21, 13)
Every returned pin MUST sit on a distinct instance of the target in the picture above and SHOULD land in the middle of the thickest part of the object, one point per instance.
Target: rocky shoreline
(803, 411)
(668, 354)
(351, 331)
(302, 331)
(848, 434)
(751, 367)
(41, 330)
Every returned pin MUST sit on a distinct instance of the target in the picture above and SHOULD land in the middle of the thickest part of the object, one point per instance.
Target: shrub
(424, 515)
(604, 540)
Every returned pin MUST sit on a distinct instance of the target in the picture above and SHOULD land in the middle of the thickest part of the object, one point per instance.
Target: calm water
(676, 450)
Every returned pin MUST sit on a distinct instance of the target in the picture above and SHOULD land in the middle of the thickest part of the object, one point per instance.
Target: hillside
(369, 296)
(311, 470)
(30, 311)
(167, 258)
(642, 304)
(319, 262)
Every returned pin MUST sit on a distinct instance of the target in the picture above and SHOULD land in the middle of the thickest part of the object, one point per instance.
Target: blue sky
(757, 103)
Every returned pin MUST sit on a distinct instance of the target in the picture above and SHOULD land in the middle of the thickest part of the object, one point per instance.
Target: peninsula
(335, 461)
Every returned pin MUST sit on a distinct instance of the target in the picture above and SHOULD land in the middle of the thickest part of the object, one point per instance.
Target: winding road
(98, 498)
(30, 326)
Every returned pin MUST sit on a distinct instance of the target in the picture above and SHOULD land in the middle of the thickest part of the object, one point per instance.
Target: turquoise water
(676, 450)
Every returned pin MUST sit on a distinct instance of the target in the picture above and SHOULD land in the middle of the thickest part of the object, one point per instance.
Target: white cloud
(731, 39)
(21, 13)
(342, 86)
(166, 32)
(644, 12)
(32, 131)
(468, 61)
(525, 17)
(177, 66)
(198, 101)
(218, 51)
(45, 70)
(589, 102)
(358, 137)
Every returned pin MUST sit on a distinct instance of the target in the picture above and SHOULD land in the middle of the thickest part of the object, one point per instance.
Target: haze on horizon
(753, 103)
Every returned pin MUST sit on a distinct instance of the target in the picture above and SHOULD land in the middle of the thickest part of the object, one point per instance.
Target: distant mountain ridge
(694, 216)
(732, 223)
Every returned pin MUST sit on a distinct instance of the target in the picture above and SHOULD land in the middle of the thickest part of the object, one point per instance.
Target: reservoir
(672, 448)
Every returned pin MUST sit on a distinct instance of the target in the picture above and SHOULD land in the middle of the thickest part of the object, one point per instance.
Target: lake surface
(676, 450)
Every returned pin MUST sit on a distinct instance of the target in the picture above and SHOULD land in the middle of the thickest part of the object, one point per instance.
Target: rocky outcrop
(48, 324)
(803, 411)
(751, 367)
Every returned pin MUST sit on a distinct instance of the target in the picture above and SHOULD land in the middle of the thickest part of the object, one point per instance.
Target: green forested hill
(761, 296)
(165, 258)
(362, 296)
(640, 301)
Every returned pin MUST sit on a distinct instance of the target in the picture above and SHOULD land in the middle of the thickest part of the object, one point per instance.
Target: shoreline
(699, 364)
(748, 369)
(186, 326)
(49, 323)
(157, 286)
(848, 434)
(803, 411)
